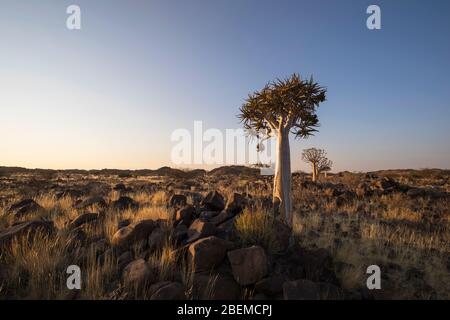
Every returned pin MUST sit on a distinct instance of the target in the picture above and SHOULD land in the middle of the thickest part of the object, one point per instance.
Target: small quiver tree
(314, 157)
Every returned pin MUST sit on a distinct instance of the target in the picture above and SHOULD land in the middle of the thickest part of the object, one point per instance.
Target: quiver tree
(280, 108)
(315, 157)
(324, 166)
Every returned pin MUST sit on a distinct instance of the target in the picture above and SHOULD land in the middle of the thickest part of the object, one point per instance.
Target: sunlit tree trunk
(314, 172)
(282, 179)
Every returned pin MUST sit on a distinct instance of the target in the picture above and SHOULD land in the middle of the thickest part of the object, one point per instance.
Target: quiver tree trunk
(314, 177)
(282, 179)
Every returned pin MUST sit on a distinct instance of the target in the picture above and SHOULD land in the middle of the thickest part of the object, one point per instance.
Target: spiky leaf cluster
(289, 104)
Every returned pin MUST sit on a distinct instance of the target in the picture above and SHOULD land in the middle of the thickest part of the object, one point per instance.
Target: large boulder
(98, 201)
(123, 260)
(177, 200)
(24, 208)
(236, 203)
(167, 290)
(200, 229)
(416, 192)
(123, 223)
(179, 233)
(271, 286)
(70, 193)
(301, 290)
(83, 219)
(185, 215)
(214, 201)
(363, 190)
(385, 185)
(120, 187)
(156, 239)
(222, 217)
(207, 215)
(124, 203)
(136, 232)
(215, 286)
(308, 290)
(26, 228)
(123, 238)
(249, 265)
(196, 198)
(136, 274)
(208, 253)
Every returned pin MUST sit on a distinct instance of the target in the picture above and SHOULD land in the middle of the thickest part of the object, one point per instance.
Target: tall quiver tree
(280, 108)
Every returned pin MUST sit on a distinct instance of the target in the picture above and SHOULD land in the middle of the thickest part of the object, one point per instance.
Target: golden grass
(401, 236)
(165, 262)
(256, 228)
(37, 267)
(153, 213)
(386, 229)
(100, 275)
(160, 198)
(144, 198)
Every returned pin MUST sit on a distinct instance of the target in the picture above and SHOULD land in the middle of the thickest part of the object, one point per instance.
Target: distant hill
(234, 170)
(163, 171)
(221, 171)
(428, 172)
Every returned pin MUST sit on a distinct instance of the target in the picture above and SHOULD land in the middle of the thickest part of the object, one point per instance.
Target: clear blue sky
(110, 94)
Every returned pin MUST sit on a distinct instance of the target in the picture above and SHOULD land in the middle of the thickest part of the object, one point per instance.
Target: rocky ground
(170, 234)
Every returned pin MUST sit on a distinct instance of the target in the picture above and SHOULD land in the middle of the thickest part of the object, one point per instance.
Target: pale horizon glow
(111, 94)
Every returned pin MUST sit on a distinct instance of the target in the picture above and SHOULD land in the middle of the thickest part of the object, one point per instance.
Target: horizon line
(211, 169)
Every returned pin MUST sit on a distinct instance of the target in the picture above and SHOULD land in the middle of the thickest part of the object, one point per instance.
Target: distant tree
(283, 107)
(317, 158)
(324, 166)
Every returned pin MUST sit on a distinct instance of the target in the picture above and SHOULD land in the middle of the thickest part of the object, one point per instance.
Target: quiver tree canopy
(325, 165)
(289, 103)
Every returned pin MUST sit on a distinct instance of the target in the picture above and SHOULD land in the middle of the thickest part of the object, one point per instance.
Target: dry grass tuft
(160, 198)
(256, 228)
